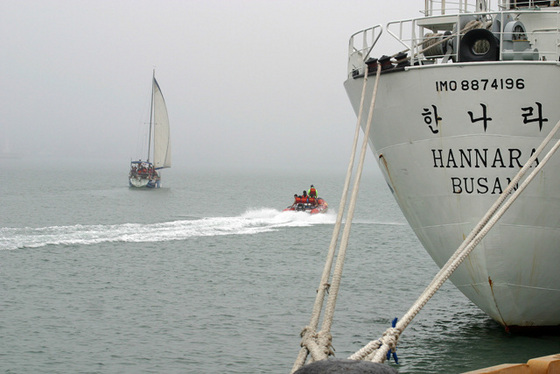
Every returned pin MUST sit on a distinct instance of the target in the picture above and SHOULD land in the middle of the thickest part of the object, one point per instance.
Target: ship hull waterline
(448, 139)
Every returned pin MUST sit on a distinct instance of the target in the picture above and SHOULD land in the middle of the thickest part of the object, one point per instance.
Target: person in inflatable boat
(312, 191)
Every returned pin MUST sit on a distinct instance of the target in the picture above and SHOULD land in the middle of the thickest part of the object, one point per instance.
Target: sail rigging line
(377, 350)
(319, 344)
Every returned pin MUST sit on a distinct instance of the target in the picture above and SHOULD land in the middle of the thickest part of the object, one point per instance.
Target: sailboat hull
(144, 183)
(448, 139)
(143, 175)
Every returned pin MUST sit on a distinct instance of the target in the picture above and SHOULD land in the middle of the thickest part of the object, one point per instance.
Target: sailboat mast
(151, 116)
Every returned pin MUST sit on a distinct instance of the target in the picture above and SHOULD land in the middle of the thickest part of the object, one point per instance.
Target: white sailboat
(146, 173)
(464, 99)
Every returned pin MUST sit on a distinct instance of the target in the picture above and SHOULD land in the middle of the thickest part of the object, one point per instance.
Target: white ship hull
(448, 139)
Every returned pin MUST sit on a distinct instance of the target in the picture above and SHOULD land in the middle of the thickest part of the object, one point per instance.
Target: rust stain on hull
(391, 183)
(496, 304)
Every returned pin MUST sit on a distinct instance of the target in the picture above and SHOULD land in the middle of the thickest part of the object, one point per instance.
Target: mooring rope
(377, 350)
(309, 333)
(337, 275)
(319, 344)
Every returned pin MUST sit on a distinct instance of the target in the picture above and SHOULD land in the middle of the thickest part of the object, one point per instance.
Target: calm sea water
(208, 275)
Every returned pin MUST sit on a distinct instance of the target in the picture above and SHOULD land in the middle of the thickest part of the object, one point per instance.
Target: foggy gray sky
(253, 84)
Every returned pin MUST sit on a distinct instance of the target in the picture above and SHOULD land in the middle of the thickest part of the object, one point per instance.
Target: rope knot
(324, 340)
(318, 344)
(307, 330)
(391, 336)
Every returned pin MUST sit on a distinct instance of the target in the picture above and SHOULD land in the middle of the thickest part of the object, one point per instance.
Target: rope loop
(392, 333)
(319, 344)
(391, 337)
(324, 340)
(307, 330)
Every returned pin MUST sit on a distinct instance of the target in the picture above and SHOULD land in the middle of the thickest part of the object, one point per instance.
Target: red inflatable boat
(309, 205)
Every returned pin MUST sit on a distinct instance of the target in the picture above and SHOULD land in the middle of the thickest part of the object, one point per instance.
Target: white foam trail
(253, 221)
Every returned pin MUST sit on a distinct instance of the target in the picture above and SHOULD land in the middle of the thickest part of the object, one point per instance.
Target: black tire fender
(467, 51)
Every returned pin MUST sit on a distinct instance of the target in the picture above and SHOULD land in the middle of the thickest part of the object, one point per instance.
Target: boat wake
(251, 222)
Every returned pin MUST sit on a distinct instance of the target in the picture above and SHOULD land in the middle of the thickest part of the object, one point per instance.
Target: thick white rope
(337, 275)
(312, 341)
(378, 349)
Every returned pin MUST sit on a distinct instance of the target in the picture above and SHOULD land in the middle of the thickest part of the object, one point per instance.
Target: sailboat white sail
(144, 174)
(162, 144)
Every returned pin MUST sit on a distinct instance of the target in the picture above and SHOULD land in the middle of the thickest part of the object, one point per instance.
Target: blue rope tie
(393, 352)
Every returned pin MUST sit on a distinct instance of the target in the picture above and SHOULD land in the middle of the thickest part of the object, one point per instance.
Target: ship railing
(433, 40)
(442, 7)
(516, 4)
(360, 46)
